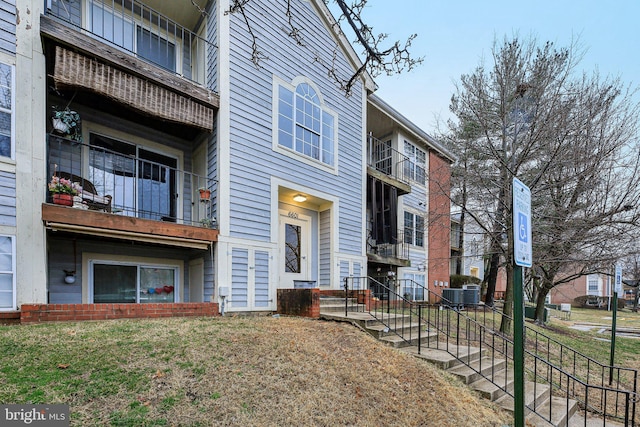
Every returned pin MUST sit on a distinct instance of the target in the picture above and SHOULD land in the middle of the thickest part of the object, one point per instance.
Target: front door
(295, 248)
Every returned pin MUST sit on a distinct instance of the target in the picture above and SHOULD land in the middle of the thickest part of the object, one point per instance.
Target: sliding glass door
(141, 182)
(132, 283)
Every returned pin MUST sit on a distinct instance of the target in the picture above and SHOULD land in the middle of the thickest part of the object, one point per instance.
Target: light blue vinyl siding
(325, 249)
(344, 271)
(212, 49)
(357, 269)
(209, 277)
(411, 202)
(239, 278)
(8, 26)
(7, 199)
(60, 258)
(212, 162)
(262, 279)
(253, 161)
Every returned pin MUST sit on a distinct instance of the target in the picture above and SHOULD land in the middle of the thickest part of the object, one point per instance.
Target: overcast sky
(454, 36)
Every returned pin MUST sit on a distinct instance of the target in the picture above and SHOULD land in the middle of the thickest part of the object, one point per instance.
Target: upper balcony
(142, 31)
(147, 58)
(388, 165)
(135, 195)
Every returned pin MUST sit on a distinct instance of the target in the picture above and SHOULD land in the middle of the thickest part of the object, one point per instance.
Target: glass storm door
(295, 248)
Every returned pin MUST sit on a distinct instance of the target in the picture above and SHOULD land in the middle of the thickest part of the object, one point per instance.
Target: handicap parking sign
(522, 248)
(523, 234)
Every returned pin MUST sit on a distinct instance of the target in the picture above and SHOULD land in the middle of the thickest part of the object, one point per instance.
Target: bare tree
(631, 267)
(377, 58)
(586, 198)
(571, 140)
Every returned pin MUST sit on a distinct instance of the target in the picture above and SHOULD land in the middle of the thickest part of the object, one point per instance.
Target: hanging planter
(205, 194)
(67, 123)
(60, 126)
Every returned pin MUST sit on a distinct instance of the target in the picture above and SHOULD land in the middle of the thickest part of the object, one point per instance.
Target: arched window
(304, 125)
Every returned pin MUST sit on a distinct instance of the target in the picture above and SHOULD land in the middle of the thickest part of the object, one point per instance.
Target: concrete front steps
(467, 364)
(496, 378)
(400, 332)
(336, 305)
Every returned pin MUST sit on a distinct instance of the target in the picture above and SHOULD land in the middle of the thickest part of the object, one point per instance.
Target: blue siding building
(172, 154)
(195, 173)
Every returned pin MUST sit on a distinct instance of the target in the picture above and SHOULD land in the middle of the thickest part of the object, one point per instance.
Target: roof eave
(407, 124)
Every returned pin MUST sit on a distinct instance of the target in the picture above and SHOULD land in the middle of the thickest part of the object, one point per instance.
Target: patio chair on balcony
(89, 193)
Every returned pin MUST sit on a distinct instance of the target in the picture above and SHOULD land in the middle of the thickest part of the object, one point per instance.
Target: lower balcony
(127, 192)
(392, 253)
(102, 224)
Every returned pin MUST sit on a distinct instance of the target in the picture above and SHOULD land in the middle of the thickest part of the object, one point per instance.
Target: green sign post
(617, 287)
(522, 257)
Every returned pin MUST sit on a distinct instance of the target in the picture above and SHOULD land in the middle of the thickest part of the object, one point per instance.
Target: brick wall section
(439, 228)
(34, 313)
(336, 293)
(9, 317)
(299, 302)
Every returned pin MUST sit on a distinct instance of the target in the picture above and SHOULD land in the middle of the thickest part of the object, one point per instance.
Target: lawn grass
(596, 342)
(231, 371)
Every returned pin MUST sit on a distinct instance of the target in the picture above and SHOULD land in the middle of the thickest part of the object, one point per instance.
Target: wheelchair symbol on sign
(522, 228)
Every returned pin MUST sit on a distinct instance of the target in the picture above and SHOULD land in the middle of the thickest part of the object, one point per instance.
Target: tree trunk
(540, 300)
(505, 324)
(460, 244)
(492, 278)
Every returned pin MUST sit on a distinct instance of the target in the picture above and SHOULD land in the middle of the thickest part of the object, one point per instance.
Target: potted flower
(63, 190)
(67, 123)
(205, 194)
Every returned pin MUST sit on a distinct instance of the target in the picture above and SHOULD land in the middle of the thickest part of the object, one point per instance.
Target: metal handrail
(465, 333)
(580, 366)
(136, 186)
(395, 249)
(391, 311)
(386, 159)
(534, 343)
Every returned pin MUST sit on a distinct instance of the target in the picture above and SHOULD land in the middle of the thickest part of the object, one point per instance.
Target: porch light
(69, 277)
(299, 198)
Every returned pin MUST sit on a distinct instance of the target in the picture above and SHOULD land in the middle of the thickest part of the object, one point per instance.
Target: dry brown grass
(241, 371)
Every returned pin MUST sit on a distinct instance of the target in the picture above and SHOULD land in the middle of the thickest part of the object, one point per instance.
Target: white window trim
(10, 160)
(414, 228)
(199, 73)
(598, 290)
(13, 273)
(277, 82)
(413, 159)
(88, 259)
(411, 275)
